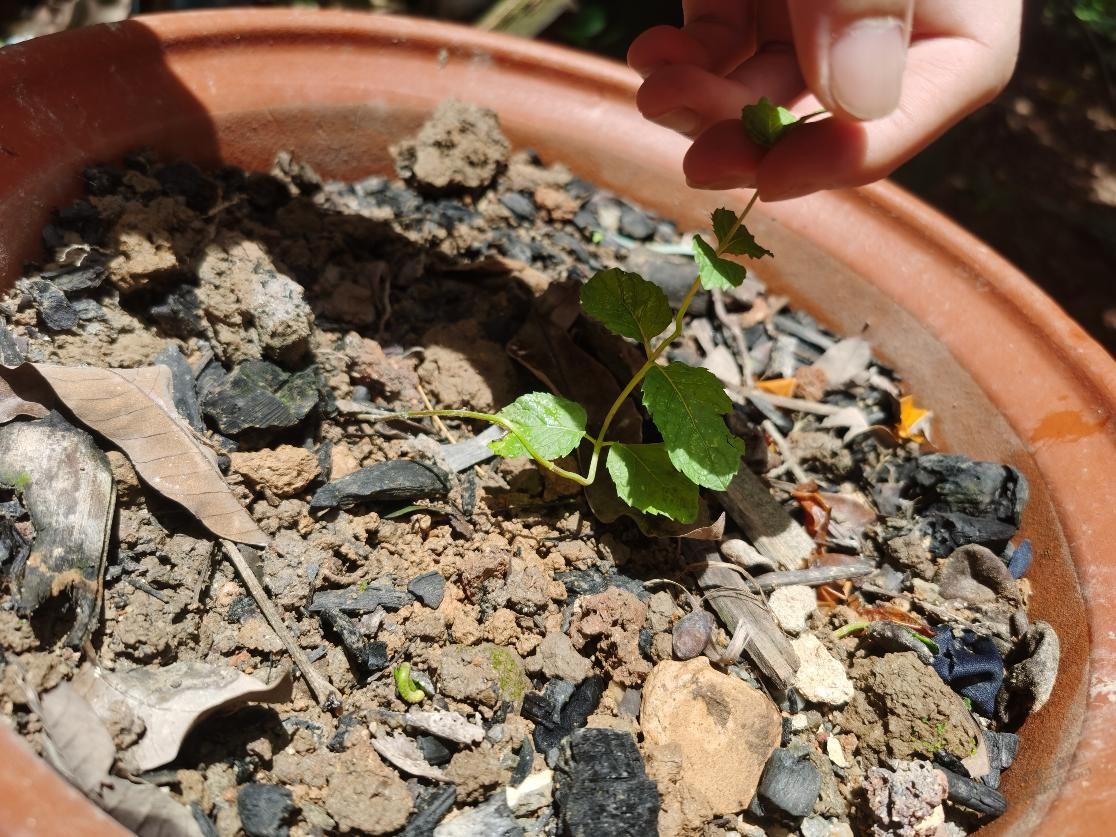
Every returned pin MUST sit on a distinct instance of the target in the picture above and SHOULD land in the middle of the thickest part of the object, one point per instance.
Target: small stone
(976, 575)
(556, 658)
(715, 720)
(360, 599)
(263, 809)
(55, 310)
(521, 206)
(284, 471)
(602, 786)
(790, 783)
(484, 675)
(792, 606)
(433, 750)
(821, 827)
(368, 657)
(429, 588)
(532, 794)
(690, 634)
(901, 800)
(459, 148)
(493, 819)
(820, 678)
(636, 224)
(401, 479)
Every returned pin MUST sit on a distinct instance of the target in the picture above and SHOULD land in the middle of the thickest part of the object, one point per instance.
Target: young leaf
(766, 122)
(646, 479)
(735, 238)
(626, 304)
(686, 404)
(716, 273)
(551, 425)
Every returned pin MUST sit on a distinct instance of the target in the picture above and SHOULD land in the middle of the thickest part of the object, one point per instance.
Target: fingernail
(866, 67)
(682, 120)
(740, 181)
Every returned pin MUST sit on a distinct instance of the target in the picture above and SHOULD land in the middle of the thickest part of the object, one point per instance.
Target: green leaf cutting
(766, 122)
(552, 426)
(626, 304)
(716, 273)
(646, 479)
(733, 237)
(687, 404)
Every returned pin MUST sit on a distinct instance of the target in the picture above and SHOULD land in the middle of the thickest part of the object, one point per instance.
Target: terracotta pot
(1010, 377)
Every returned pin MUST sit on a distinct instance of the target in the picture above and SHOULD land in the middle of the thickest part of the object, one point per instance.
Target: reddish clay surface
(1010, 377)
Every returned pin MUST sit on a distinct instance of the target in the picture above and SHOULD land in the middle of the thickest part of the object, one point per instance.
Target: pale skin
(892, 74)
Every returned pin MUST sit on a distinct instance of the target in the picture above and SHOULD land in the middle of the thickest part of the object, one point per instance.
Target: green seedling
(407, 688)
(687, 404)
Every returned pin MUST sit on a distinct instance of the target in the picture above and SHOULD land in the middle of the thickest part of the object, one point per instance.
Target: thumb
(852, 53)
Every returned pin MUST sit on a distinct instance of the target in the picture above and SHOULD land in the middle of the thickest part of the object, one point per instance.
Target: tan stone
(284, 471)
(724, 729)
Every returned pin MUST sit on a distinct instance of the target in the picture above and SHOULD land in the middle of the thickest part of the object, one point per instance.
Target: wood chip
(769, 527)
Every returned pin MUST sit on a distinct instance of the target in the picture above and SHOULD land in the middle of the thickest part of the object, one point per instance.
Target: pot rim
(961, 265)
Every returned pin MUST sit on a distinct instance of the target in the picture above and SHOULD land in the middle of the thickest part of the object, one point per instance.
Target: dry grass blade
(133, 408)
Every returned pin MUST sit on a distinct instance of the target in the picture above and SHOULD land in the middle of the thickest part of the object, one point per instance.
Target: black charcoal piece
(263, 809)
(429, 588)
(360, 600)
(579, 705)
(184, 179)
(951, 530)
(182, 385)
(400, 479)
(258, 395)
(601, 786)
(525, 758)
(431, 805)
(345, 724)
(54, 309)
(434, 750)
(951, 483)
(790, 783)
(974, 795)
(367, 657)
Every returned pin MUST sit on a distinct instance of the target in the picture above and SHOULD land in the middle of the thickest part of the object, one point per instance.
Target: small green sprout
(687, 404)
(407, 688)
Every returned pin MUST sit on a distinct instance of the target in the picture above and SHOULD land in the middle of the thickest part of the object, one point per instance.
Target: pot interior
(337, 90)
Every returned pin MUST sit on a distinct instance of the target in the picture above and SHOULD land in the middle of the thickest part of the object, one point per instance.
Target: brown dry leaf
(14, 399)
(135, 410)
(80, 748)
(172, 700)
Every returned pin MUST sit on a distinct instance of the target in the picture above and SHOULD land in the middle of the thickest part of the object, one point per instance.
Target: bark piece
(772, 531)
(68, 490)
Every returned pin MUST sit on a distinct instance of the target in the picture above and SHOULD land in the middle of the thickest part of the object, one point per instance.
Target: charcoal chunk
(263, 809)
(258, 395)
(367, 657)
(571, 715)
(359, 600)
(54, 309)
(183, 391)
(401, 479)
(429, 588)
(790, 783)
(952, 530)
(601, 786)
(183, 179)
(951, 483)
(434, 750)
(431, 805)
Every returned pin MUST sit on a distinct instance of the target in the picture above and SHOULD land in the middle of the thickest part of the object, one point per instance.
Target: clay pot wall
(1009, 376)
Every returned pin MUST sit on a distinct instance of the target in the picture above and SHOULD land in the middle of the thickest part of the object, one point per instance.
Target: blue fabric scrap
(971, 665)
(1020, 559)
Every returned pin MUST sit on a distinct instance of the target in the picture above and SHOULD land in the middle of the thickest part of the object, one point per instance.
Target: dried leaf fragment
(404, 753)
(172, 700)
(914, 422)
(134, 409)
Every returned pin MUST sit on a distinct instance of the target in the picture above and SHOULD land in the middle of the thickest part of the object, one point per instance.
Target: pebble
(792, 606)
(55, 310)
(790, 783)
(429, 588)
(976, 575)
(396, 480)
(901, 799)
(820, 678)
(601, 786)
(263, 809)
(822, 827)
(636, 224)
(530, 795)
(284, 471)
(691, 633)
(714, 720)
(521, 206)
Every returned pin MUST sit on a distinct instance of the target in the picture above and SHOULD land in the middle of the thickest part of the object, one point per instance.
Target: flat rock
(792, 606)
(429, 588)
(284, 471)
(601, 786)
(716, 720)
(820, 678)
(401, 479)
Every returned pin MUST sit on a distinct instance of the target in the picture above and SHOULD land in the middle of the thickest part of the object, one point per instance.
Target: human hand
(894, 75)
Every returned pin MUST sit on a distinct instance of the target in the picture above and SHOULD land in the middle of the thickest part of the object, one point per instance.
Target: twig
(789, 459)
(144, 587)
(445, 431)
(812, 577)
(737, 335)
(324, 692)
(799, 404)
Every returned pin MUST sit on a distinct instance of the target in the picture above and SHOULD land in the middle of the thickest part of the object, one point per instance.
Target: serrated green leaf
(716, 273)
(626, 304)
(646, 479)
(551, 425)
(735, 238)
(687, 404)
(766, 122)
